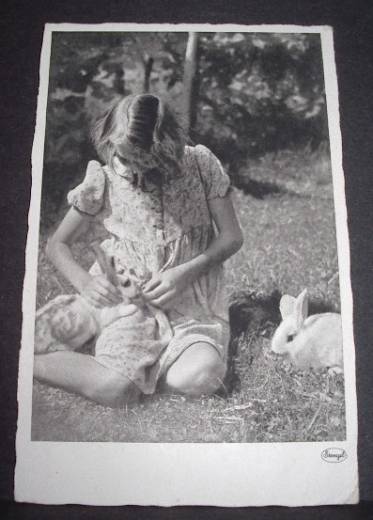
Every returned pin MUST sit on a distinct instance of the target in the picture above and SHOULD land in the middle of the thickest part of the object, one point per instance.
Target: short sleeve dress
(159, 225)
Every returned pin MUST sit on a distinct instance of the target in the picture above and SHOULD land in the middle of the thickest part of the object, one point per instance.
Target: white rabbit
(313, 342)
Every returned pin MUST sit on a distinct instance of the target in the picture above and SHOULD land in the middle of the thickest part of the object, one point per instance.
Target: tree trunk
(190, 69)
(148, 66)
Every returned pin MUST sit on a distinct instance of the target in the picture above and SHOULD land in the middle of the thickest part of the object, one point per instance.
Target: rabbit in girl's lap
(69, 321)
(166, 209)
(310, 342)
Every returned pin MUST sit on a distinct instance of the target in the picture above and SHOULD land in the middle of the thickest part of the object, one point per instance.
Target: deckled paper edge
(185, 474)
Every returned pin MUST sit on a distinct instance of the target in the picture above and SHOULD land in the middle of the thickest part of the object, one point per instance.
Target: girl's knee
(114, 390)
(202, 375)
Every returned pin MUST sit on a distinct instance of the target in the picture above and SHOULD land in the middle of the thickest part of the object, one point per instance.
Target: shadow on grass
(262, 189)
(252, 315)
(259, 189)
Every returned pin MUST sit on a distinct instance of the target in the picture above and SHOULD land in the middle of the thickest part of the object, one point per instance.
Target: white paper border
(234, 474)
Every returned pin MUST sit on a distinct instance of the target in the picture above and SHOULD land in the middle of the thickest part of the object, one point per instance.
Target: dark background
(21, 37)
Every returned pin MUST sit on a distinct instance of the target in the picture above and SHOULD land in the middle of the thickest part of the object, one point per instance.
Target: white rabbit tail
(310, 342)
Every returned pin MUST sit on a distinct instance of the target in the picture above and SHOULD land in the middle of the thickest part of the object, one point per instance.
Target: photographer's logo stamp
(334, 455)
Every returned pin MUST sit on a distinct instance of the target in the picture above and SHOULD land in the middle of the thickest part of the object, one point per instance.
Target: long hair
(141, 130)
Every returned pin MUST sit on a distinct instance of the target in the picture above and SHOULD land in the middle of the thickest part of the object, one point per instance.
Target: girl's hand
(163, 287)
(100, 292)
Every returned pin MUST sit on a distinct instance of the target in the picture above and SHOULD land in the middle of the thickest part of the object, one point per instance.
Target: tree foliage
(256, 92)
(260, 92)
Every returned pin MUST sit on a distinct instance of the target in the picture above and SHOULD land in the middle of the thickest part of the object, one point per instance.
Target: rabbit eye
(127, 283)
(290, 337)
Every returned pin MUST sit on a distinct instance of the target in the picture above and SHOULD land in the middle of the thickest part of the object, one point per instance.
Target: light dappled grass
(289, 244)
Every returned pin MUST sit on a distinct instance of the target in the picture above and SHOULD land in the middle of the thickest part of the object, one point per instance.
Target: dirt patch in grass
(290, 244)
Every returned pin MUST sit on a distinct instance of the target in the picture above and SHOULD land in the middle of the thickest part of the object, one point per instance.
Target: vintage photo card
(187, 308)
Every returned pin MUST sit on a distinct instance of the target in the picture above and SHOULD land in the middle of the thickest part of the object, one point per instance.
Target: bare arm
(58, 248)
(96, 289)
(228, 241)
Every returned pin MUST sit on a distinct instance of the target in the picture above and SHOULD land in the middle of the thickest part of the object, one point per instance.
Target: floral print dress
(153, 227)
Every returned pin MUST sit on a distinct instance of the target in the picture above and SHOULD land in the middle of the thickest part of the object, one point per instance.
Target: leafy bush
(255, 92)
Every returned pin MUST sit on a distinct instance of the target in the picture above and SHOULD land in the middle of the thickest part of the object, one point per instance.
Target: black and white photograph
(188, 275)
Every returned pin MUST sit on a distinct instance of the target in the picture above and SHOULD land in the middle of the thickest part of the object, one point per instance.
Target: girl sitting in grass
(169, 217)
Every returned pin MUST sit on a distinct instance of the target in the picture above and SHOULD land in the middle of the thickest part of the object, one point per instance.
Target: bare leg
(199, 370)
(82, 374)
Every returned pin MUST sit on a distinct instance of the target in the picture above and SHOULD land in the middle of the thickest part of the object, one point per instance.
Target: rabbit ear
(301, 308)
(287, 304)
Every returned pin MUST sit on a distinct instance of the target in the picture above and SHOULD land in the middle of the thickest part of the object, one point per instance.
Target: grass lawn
(285, 206)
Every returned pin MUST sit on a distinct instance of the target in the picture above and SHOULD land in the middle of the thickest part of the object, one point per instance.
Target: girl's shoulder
(196, 149)
(194, 156)
(200, 153)
(88, 196)
(215, 179)
(202, 157)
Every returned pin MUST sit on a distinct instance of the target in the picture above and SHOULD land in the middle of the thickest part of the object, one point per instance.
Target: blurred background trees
(241, 94)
